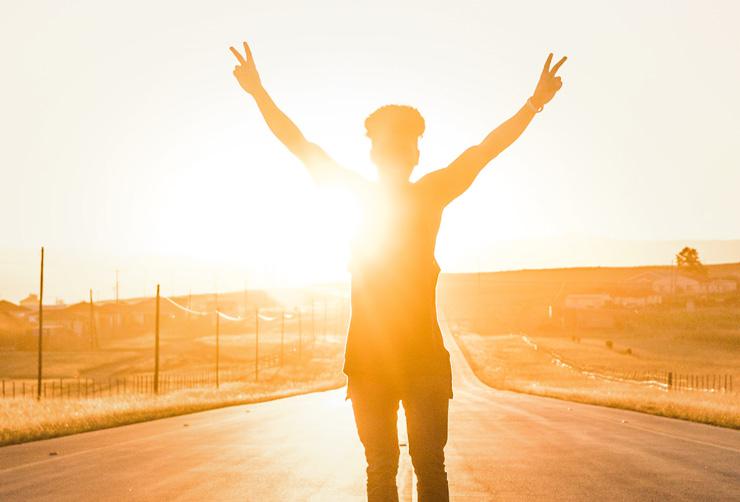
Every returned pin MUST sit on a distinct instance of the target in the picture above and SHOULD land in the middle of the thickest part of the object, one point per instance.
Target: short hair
(397, 120)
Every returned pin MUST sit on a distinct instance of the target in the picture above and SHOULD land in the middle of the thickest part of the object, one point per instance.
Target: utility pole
(41, 326)
(93, 331)
(313, 318)
(218, 332)
(256, 344)
(190, 302)
(156, 345)
(246, 304)
(300, 333)
(282, 338)
(325, 317)
(478, 303)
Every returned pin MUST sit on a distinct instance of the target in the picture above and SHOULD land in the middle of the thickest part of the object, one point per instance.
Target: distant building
(12, 308)
(644, 280)
(587, 310)
(672, 283)
(13, 325)
(30, 302)
(637, 300)
(587, 300)
(721, 286)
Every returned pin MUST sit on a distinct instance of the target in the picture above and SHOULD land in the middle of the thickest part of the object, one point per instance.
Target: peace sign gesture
(246, 72)
(549, 84)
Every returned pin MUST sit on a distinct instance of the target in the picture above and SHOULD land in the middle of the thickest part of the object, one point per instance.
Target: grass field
(614, 376)
(27, 419)
(313, 365)
(491, 313)
(483, 310)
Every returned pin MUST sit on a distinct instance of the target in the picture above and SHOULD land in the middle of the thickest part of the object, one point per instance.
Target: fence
(697, 382)
(150, 383)
(662, 379)
(264, 319)
(84, 388)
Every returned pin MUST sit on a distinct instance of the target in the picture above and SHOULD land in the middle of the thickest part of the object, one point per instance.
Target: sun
(262, 225)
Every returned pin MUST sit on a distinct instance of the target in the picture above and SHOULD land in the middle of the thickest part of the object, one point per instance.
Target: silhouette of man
(394, 349)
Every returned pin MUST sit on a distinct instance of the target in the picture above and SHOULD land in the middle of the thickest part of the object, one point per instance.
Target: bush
(609, 344)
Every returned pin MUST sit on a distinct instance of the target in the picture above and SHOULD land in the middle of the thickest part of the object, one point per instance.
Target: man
(394, 347)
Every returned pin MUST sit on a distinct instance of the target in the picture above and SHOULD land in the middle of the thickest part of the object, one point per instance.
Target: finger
(547, 64)
(558, 65)
(248, 52)
(558, 83)
(238, 56)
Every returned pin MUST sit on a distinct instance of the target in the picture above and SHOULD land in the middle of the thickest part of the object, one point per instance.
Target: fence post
(156, 345)
(670, 380)
(41, 325)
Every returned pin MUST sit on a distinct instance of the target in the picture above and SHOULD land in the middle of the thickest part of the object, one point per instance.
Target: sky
(126, 144)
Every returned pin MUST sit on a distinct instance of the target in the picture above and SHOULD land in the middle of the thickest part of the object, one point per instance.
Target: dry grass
(27, 419)
(507, 362)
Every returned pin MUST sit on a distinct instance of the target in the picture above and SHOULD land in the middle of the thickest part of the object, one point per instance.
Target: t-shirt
(394, 335)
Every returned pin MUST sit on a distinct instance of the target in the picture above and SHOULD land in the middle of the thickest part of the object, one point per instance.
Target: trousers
(426, 404)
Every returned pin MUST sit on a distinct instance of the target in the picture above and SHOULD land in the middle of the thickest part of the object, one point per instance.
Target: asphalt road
(503, 446)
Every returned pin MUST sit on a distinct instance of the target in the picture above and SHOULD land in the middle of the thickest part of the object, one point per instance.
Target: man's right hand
(246, 72)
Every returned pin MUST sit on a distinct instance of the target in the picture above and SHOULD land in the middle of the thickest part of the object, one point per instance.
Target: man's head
(394, 131)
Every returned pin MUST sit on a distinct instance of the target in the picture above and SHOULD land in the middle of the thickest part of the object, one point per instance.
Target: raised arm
(321, 167)
(452, 181)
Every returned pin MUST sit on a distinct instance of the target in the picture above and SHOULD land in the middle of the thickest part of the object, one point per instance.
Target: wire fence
(91, 388)
(661, 379)
(291, 341)
(275, 335)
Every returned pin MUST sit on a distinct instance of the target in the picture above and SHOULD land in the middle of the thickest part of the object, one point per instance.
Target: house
(143, 313)
(672, 284)
(643, 280)
(75, 318)
(675, 283)
(13, 309)
(587, 310)
(113, 316)
(31, 302)
(636, 299)
(13, 325)
(587, 300)
(720, 286)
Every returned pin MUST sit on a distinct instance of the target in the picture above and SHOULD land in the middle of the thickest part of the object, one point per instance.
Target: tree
(688, 260)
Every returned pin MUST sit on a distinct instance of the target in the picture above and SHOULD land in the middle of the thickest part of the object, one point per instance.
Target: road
(503, 446)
